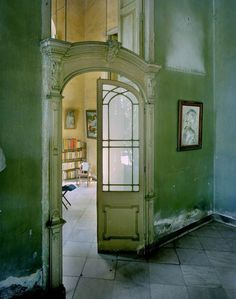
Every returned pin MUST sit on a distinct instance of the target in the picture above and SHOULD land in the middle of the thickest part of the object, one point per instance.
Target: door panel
(120, 197)
(118, 229)
(130, 25)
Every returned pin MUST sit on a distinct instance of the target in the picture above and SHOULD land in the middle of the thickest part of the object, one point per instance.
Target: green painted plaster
(183, 47)
(20, 138)
(183, 180)
(225, 103)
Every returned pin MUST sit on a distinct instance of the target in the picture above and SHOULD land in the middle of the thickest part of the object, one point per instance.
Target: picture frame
(70, 119)
(190, 115)
(91, 123)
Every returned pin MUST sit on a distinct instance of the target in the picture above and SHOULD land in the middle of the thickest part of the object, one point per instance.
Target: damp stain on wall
(186, 44)
(12, 285)
(164, 226)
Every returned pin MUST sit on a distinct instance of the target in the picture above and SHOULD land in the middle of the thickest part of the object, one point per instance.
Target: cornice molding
(54, 47)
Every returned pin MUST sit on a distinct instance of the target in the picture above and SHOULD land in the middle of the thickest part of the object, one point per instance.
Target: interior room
(80, 102)
(117, 149)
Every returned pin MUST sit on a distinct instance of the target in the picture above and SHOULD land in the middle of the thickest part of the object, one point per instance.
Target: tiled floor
(200, 265)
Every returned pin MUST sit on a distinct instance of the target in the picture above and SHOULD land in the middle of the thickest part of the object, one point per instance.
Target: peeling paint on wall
(23, 283)
(164, 226)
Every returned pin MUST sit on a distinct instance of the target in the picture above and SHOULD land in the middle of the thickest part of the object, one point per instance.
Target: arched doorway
(61, 62)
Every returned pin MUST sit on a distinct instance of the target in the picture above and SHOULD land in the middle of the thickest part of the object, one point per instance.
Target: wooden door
(120, 191)
(130, 17)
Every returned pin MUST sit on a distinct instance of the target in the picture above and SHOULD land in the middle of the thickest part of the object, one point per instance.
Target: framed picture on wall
(70, 119)
(189, 125)
(91, 123)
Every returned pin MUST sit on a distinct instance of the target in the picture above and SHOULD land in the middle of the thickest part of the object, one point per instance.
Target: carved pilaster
(151, 99)
(151, 87)
(53, 54)
(149, 111)
(55, 226)
(52, 139)
(54, 80)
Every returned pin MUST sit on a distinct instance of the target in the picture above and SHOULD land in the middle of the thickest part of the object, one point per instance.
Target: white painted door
(131, 25)
(120, 195)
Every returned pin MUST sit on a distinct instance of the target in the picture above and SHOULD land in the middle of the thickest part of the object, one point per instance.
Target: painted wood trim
(61, 62)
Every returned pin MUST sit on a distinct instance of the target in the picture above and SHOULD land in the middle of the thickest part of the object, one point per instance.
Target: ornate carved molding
(113, 48)
(151, 87)
(55, 67)
(60, 57)
(61, 62)
(53, 52)
(53, 47)
(108, 56)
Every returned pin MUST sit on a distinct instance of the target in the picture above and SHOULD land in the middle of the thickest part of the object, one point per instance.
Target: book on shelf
(70, 174)
(72, 144)
(73, 154)
(71, 165)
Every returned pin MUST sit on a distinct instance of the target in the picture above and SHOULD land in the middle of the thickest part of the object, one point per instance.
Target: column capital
(53, 52)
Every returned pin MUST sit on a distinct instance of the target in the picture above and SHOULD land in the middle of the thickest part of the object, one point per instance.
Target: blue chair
(65, 189)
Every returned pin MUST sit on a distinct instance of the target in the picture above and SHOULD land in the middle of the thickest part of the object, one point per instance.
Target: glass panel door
(120, 196)
(120, 139)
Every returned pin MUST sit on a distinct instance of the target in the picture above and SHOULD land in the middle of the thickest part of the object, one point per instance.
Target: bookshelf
(73, 154)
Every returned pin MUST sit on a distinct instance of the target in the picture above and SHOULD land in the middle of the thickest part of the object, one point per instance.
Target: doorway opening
(83, 235)
(79, 145)
(62, 62)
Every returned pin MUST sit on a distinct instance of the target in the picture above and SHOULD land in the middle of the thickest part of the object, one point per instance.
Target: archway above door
(61, 62)
(65, 60)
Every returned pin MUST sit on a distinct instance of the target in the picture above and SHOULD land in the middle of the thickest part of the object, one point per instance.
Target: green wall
(183, 47)
(225, 102)
(183, 180)
(20, 138)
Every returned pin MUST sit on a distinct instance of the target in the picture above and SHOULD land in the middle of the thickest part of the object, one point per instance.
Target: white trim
(149, 32)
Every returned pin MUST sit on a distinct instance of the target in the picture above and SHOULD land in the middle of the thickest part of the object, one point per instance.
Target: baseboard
(36, 293)
(183, 231)
(224, 219)
(175, 235)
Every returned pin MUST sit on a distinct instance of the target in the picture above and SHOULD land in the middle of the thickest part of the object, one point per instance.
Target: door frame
(61, 61)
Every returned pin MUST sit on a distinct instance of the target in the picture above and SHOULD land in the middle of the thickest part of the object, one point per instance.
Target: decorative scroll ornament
(55, 74)
(52, 73)
(113, 50)
(151, 83)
